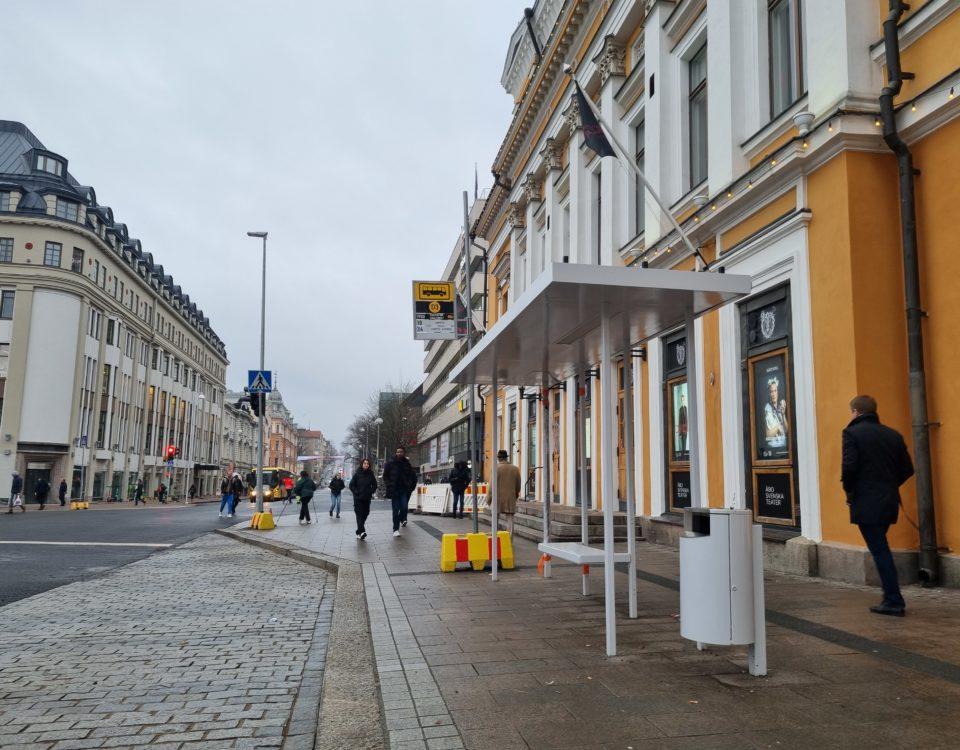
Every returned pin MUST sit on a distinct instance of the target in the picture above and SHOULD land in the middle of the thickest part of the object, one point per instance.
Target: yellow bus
(278, 483)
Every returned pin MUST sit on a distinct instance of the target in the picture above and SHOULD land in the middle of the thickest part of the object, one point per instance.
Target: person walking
(40, 492)
(363, 486)
(459, 479)
(304, 489)
(162, 493)
(16, 494)
(62, 492)
(336, 487)
(875, 463)
(400, 480)
(138, 494)
(508, 489)
(236, 492)
(192, 492)
(226, 498)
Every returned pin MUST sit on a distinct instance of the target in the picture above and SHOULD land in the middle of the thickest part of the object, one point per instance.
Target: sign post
(259, 381)
(434, 311)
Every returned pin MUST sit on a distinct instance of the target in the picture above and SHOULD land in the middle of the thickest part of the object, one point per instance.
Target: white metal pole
(263, 399)
(693, 415)
(547, 465)
(607, 415)
(472, 437)
(631, 481)
(494, 463)
(757, 652)
(584, 382)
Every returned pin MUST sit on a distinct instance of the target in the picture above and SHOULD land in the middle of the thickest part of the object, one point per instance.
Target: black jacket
(16, 486)
(305, 488)
(62, 492)
(236, 486)
(875, 463)
(336, 485)
(459, 479)
(363, 485)
(399, 476)
(42, 489)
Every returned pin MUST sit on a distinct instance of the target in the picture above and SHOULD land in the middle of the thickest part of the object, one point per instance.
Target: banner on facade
(434, 310)
(444, 447)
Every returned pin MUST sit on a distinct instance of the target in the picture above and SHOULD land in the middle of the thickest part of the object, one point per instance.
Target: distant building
(314, 450)
(239, 450)
(280, 446)
(106, 364)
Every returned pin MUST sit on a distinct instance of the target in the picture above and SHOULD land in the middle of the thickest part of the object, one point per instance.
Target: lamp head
(262, 235)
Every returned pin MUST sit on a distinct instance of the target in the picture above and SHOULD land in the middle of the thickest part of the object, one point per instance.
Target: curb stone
(350, 711)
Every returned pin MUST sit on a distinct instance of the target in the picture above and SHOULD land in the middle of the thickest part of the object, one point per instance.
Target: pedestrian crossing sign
(259, 381)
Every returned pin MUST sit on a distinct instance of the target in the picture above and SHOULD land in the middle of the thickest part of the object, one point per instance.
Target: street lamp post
(376, 459)
(263, 402)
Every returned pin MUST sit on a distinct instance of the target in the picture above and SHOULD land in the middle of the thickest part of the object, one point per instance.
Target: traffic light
(256, 403)
(171, 452)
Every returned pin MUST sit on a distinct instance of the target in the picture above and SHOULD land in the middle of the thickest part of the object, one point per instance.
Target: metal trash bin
(717, 576)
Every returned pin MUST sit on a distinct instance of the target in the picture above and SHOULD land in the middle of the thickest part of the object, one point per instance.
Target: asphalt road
(28, 569)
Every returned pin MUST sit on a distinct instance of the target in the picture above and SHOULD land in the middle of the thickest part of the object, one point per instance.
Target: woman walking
(304, 490)
(362, 486)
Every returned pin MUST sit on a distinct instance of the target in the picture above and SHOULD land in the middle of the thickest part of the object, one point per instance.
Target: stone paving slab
(207, 645)
(521, 663)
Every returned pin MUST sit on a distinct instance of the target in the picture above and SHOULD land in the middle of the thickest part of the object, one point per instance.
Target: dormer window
(5, 200)
(49, 164)
(67, 209)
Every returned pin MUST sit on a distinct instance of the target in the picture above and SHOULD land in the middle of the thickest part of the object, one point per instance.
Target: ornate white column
(550, 153)
(532, 191)
(614, 212)
(579, 194)
(518, 220)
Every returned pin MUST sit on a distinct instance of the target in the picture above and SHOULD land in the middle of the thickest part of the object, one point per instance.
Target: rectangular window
(67, 209)
(51, 254)
(783, 29)
(49, 164)
(6, 304)
(639, 146)
(6, 249)
(105, 383)
(5, 200)
(111, 327)
(4, 359)
(697, 116)
(96, 271)
(76, 265)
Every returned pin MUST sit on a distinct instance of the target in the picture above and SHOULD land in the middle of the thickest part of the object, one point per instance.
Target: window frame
(7, 297)
(78, 255)
(63, 209)
(797, 82)
(697, 95)
(6, 243)
(52, 247)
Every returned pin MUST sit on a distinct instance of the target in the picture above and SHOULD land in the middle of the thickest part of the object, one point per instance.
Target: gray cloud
(347, 130)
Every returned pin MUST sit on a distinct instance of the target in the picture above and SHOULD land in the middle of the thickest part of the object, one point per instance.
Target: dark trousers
(362, 509)
(304, 509)
(399, 501)
(875, 535)
(458, 499)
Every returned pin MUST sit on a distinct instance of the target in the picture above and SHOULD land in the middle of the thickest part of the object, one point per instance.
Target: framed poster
(770, 407)
(773, 490)
(679, 432)
(679, 489)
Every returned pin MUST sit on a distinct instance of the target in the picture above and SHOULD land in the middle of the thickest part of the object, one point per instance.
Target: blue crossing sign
(259, 381)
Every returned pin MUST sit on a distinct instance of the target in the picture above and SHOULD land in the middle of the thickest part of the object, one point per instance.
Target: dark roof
(18, 149)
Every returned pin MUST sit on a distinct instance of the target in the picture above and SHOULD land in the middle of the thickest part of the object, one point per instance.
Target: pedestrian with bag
(16, 494)
(62, 492)
(41, 491)
(400, 480)
(304, 489)
(460, 477)
(875, 463)
(236, 492)
(336, 487)
(363, 486)
(226, 499)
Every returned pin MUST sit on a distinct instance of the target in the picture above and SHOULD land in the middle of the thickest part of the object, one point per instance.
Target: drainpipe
(929, 571)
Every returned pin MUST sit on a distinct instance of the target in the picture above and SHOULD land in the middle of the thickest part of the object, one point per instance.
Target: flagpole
(631, 164)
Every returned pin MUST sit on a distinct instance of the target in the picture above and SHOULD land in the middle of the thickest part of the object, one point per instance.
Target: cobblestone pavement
(204, 646)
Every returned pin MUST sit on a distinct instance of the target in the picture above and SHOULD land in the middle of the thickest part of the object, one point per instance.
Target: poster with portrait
(679, 425)
(771, 407)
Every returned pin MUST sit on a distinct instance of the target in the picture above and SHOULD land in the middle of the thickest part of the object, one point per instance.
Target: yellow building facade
(759, 125)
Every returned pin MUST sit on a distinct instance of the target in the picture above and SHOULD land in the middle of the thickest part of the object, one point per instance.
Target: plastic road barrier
(475, 549)
(482, 492)
(262, 521)
(79, 505)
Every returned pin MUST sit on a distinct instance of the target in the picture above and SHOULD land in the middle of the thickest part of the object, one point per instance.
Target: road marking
(90, 544)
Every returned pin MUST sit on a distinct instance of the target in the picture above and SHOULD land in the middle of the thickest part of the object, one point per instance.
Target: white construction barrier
(431, 498)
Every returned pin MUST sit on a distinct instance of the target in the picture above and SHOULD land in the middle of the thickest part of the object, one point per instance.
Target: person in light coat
(508, 489)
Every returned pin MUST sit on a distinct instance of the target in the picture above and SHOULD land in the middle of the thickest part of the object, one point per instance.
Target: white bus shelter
(576, 317)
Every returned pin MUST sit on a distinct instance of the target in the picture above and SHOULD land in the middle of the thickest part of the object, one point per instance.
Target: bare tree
(399, 425)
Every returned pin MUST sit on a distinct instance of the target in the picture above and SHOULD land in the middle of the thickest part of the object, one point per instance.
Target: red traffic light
(171, 452)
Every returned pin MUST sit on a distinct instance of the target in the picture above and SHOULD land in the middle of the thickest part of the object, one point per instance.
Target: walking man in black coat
(400, 479)
(875, 464)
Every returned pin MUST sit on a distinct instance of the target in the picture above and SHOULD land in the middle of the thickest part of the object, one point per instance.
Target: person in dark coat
(40, 492)
(16, 494)
(138, 494)
(363, 485)
(875, 463)
(62, 492)
(236, 492)
(305, 489)
(336, 487)
(400, 480)
(459, 479)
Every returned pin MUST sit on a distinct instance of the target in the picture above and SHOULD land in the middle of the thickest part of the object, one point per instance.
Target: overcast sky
(346, 129)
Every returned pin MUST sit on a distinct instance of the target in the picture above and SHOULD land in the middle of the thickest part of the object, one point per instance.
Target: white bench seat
(581, 554)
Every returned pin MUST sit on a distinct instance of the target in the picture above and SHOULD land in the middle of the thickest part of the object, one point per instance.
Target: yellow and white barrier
(482, 491)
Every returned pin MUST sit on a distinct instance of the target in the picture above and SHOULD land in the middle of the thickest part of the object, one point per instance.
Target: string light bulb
(806, 145)
(749, 184)
(713, 207)
(830, 126)
(773, 162)
(913, 107)
(877, 122)
(950, 95)
(729, 193)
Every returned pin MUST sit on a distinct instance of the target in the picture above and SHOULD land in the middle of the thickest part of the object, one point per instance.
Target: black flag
(593, 134)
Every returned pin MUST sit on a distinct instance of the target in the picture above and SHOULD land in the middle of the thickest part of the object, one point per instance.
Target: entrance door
(32, 478)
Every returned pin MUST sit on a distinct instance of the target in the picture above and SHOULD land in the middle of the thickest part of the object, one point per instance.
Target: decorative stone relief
(532, 188)
(571, 114)
(518, 216)
(551, 154)
(612, 59)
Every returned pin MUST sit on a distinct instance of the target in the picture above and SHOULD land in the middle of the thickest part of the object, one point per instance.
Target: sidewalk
(465, 662)
(54, 505)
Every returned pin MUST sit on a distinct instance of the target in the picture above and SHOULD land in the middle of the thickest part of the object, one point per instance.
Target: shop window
(512, 428)
(531, 447)
(677, 428)
(770, 433)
